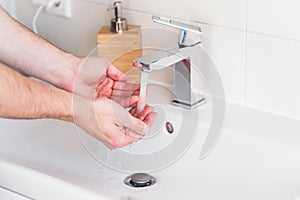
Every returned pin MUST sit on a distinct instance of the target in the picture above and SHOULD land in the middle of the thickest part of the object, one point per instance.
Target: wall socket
(61, 9)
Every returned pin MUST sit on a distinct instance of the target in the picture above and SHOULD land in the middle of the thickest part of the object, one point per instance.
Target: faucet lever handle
(175, 24)
(190, 35)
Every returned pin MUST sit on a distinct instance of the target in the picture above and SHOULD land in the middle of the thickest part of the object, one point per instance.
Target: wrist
(28, 99)
(64, 105)
(65, 71)
(87, 73)
(51, 102)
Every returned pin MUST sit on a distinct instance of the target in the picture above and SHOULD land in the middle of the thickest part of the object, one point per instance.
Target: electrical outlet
(61, 9)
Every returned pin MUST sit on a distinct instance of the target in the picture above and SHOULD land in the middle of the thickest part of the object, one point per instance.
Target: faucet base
(189, 106)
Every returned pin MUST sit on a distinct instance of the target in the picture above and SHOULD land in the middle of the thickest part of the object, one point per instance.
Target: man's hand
(23, 98)
(147, 115)
(110, 123)
(104, 119)
(89, 77)
(97, 78)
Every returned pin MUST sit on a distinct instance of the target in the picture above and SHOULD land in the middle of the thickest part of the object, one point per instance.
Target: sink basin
(254, 159)
(21, 183)
(160, 148)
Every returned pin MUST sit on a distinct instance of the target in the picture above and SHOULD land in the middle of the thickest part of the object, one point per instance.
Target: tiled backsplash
(274, 17)
(255, 44)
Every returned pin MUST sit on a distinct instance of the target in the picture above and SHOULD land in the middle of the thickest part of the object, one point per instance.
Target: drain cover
(139, 180)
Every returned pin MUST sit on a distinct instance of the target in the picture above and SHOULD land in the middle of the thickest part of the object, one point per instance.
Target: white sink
(257, 157)
(21, 183)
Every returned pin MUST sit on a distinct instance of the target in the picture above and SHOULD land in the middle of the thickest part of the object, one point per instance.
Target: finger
(132, 101)
(125, 86)
(104, 93)
(106, 88)
(132, 111)
(125, 93)
(103, 82)
(107, 83)
(101, 85)
(126, 102)
(115, 134)
(124, 119)
(148, 109)
(150, 118)
(141, 104)
(136, 125)
(104, 139)
(132, 136)
(137, 64)
(116, 74)
(120, 137)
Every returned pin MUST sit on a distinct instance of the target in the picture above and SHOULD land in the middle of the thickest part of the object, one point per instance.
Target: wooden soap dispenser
(119, 43)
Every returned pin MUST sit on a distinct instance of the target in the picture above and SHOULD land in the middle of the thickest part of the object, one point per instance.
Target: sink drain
(139, 180)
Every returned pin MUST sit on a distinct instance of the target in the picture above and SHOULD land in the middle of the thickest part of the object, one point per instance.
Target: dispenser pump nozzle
(118, 24)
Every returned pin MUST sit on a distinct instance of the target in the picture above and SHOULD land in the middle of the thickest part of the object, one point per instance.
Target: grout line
(96, 2)
(200, 22)
(182, 19)
(246, 54)
(222, 26)
(274, 36)
(150, 13)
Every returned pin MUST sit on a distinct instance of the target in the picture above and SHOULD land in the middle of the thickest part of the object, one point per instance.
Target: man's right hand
(110, 123)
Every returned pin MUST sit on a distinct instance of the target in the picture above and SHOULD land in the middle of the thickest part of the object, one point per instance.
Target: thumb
(124, 119)
(136, 125)
(116, 74)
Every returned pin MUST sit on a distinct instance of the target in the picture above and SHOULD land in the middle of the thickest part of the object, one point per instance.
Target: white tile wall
(273, 77)
(274, 17)
(226, 48)
(273, 55)
(216, 12)
(252, 42)
(77, 34)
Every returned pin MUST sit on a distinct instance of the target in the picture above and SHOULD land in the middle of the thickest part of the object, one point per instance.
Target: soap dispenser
(118, 24)
(118, 42)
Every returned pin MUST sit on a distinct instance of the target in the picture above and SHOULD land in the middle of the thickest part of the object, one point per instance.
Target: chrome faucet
(182, 55)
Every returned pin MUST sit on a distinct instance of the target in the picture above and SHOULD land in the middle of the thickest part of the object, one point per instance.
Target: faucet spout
(160, 59)
(181, 55)
(181, 59)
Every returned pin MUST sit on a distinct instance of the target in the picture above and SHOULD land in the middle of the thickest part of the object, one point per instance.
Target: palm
(95, 81)
(126, 94)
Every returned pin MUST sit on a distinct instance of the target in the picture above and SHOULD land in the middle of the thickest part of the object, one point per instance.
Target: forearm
(24, 98)
(27, 52)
